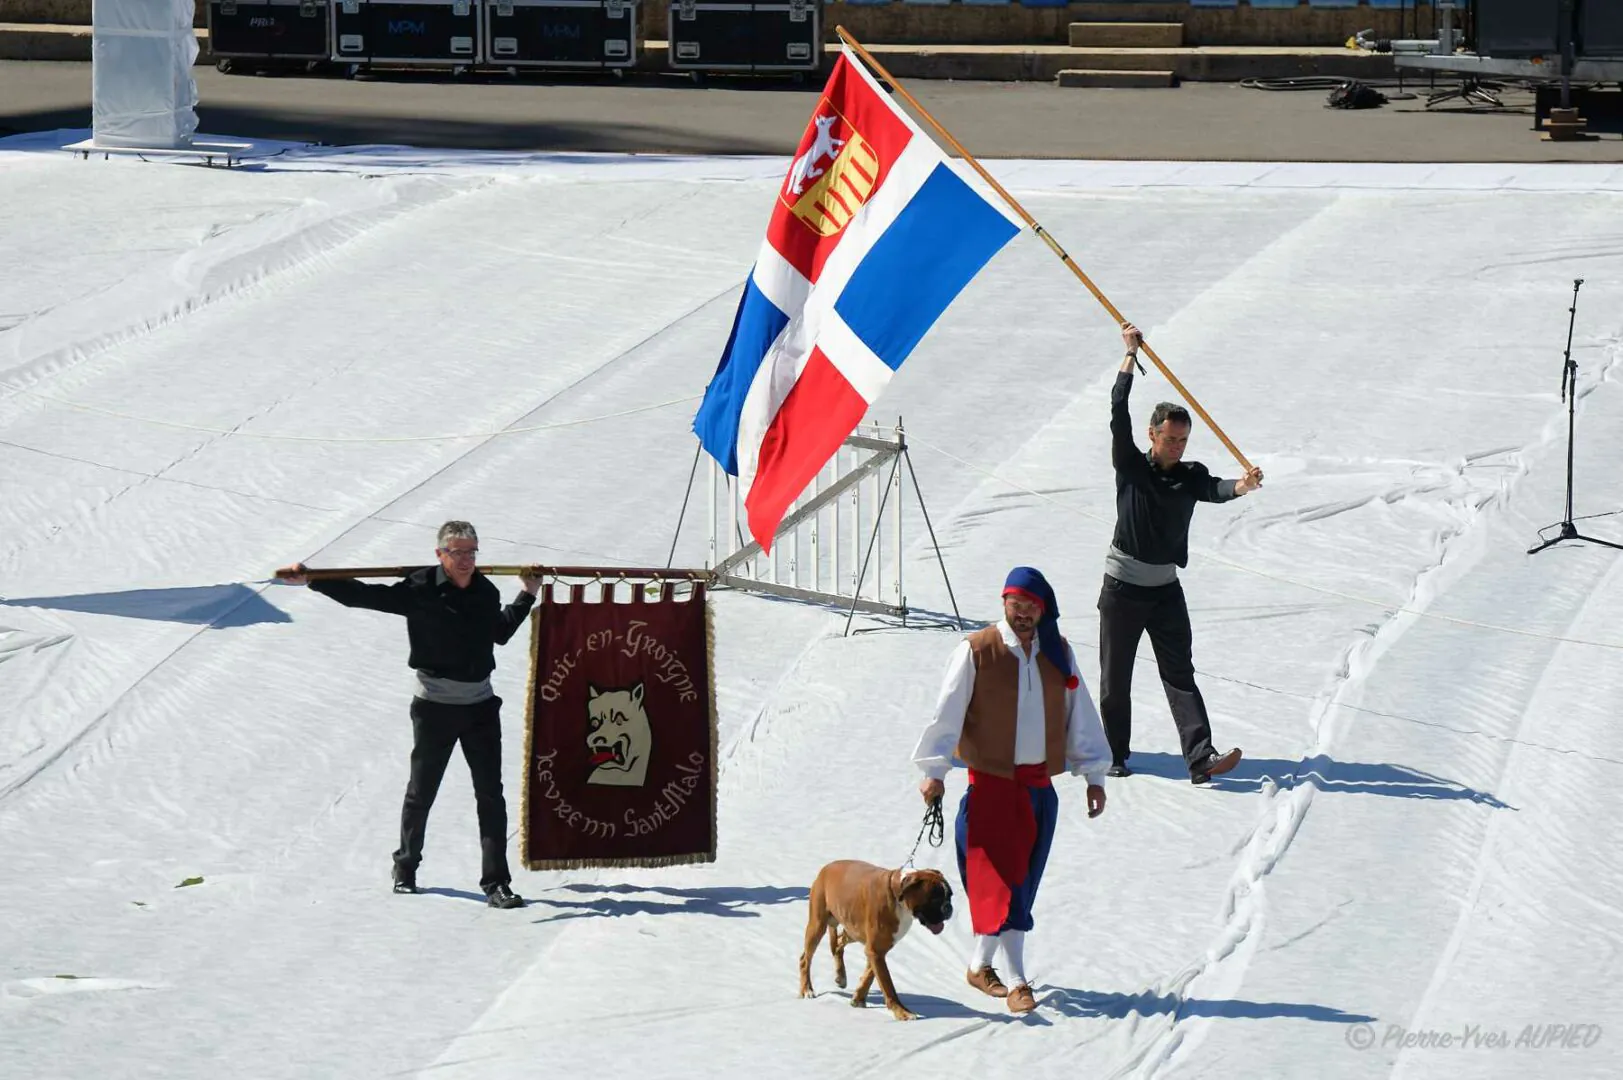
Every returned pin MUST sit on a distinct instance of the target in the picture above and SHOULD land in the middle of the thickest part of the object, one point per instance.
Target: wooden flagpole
(867, 58)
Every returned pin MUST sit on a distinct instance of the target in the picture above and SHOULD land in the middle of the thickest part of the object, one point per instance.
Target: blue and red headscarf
(1029, 582)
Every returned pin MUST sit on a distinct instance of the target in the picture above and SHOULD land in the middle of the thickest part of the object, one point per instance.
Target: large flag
(874, 233)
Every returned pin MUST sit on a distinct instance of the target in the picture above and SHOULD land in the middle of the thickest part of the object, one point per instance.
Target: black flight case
(714, 35)
(274, 31)
(415, 33)
(562, 33)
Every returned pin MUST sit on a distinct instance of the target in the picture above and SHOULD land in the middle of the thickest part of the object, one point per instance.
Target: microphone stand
(1569, 393)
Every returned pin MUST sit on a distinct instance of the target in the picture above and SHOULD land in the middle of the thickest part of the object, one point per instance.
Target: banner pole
(515, 570)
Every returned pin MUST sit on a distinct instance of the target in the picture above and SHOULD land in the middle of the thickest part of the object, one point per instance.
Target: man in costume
(1014, 711)
(1156, 493)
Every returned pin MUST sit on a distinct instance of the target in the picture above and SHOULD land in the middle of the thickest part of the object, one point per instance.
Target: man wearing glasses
(454, 618)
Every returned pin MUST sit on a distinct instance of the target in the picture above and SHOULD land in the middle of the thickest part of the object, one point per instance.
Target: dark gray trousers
(436, 729)
(1126, 613)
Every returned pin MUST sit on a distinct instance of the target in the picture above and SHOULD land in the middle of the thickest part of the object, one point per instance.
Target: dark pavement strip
(668, 114)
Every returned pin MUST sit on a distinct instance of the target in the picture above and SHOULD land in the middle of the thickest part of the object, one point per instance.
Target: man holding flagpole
(1013, 709)
(454, 619)
(1156, 493)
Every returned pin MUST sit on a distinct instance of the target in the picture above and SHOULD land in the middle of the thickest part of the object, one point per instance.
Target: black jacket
(453, 631)
(1154, 506)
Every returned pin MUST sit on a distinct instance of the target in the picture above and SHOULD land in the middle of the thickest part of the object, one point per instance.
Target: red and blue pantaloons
(1004, 830)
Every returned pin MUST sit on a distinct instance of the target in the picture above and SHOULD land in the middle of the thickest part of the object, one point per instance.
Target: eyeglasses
(460, 554)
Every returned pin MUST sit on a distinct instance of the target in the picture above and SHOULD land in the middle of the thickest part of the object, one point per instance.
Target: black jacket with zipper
(1154, 506)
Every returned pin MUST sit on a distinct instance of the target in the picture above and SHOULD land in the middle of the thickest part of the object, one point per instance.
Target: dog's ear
(914, 884)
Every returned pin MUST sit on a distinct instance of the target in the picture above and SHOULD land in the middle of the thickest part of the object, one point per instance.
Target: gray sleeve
(1209, 488)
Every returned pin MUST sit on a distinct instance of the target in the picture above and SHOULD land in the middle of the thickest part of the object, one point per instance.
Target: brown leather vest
(987, 742)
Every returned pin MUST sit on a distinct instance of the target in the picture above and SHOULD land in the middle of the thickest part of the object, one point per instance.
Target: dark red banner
(620, 741)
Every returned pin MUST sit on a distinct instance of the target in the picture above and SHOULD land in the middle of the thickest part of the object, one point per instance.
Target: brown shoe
(1215, 765)
(1021, 999)
(986, 981)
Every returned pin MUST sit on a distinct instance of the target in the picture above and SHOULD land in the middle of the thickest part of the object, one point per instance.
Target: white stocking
(1014, 950)
(985, 950)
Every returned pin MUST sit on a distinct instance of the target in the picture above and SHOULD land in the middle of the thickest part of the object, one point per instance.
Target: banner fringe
(702, 596)
(529, 733)
(652, 862)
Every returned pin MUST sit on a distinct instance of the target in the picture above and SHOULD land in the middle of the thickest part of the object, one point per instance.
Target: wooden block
(1096, 77)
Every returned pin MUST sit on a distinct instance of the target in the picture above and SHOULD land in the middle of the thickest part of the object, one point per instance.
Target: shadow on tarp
(1340, 777)
(425, 121)
(1085, 1004)
(725, 901)
(220, 606)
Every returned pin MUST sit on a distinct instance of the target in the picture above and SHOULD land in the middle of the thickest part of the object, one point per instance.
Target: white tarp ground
(205, 374)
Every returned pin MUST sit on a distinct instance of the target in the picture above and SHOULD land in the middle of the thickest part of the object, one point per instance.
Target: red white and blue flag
(874, 233)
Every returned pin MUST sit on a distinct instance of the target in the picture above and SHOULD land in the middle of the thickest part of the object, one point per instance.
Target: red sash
(1001, 830)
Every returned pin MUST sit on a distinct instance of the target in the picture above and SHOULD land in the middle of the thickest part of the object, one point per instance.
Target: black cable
(1330, 82)
(1321, 82)
(1585, 517)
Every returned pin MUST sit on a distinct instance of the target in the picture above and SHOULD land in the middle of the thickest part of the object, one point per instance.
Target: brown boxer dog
(857, 901)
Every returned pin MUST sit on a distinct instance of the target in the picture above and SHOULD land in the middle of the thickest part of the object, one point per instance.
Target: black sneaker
(405, 883)
(1119, 769)
(1215, 765)
(501, 896)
